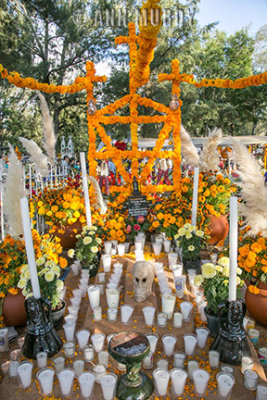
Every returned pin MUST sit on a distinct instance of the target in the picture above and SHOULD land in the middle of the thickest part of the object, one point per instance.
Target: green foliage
(87, 246)
(190, 241)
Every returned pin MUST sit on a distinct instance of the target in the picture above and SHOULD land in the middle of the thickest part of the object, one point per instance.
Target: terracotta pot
(14, 310)
(68, 238)
(257, 304)
(218, 228)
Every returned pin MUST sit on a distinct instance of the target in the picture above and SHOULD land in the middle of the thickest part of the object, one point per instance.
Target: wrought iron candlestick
(232, 341)
(40, 332)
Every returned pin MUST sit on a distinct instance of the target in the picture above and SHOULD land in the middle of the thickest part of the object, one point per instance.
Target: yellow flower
(71, 253)
(226, 271)
(188, 235)
(208, 270)
(98, 240)
(87, 240)
(94, 249)
(21, 283)
(60, 284)
(219, 268)
(224, 261)
(40, 261)
(191, 248)
(198, 280)
(49, 276)
(199, 233)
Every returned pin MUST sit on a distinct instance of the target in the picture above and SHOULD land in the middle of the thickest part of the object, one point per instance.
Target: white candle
(25, 373)
(195, 197)
(87, 382)
(29, 247)
(85, 190)
(45, 378)
(233, 238)
(225, 383)
(161, 379)
(168, 342)
(178, 378)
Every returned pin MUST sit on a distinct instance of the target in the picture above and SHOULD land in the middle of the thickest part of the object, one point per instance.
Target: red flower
(140, 219)
(137, 227)
(128, 228)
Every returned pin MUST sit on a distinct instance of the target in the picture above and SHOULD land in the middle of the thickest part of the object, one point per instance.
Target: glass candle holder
(163, 364)
(73, 311)
(101, 277)
(75, 269)
(41, 358)
(177, 320)
(113, 298)
(250, 379)
(149, 314)
(126, 313)
(190, 342)
(228, 369)
(106, 262)
(112, 314)
(225, 384)
(121, 249)
(65, 378)
(179, 359)
(46, 378)
(69, 349)
(59, 363)
(201, 379)
(167, 245)
(107, 247)
(214, 359)
(186, 310)
(254, 335)
(169, 342)
(13, 369)
(88, 353)
(24, 372)
(82, 337)
(177, 270)
(70, 319)
(262, 352)
(75, 301)
(261, 392)
(178, 379)
(108, 384)
(99, 371)
(77, 293)
(98, 341)
(162, 319)
(153, 340)
(148, 361)
(103, 358)
(157, 248)
(86, 381)
(179, 283)
(191, 367)
(3, 339)
(69, 330)
(168, 303)
(97, 314)
(202, 336)
(172, 259)
(94, 296)
(78, 367)
(138, 245)
(246, 363)
(161, 379)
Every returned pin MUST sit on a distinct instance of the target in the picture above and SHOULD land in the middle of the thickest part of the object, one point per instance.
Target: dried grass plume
(188, 149)
(36, 156)
(100, 203)
(49, 132)
(13, 192)
(253, 190)
(209, 159)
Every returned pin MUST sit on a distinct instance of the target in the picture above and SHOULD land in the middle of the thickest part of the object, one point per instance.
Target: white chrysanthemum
(71, 253)
(40, 261)
(50, 264)
(199, 233)
(93, 227)
(208, 270)
(224, 261)
(94, 249)
(87, 240)
(239, 271)
(60, 284)
(24, 268)
(78, 236)
(187, 225)
(226, 271)
(238, 280)
(56, 270)
(28, 295)
(188, 235)
(86, 228)
(22, 283)
(181, 231)
(176, 236)
(219, 268)
(192, 228)
(24, 292)
(198, 280)
(191, 248)
(49, 276)
(98, 240)
(92, 233)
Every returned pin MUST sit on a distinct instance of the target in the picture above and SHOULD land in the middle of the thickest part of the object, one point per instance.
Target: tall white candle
(29, 247)
(233, 238)
(195, 197)
(30, 181)
(85, 190)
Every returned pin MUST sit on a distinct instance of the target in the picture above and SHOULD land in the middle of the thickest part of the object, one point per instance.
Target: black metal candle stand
(40, 332)
(232, 341)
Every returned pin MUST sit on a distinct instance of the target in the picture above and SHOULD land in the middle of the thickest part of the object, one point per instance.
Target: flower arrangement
(190, 240)
(214, 280)
(113, 224)
(87, 248)
(252, 258)
(135, 225)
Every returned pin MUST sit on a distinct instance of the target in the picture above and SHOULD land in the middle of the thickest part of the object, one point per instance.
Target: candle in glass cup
(167, 245)
(191, 367)
(113, 298)
(177, 320)
(126, 313)
(153, 340)
(250, 379)
(94, 296)
(168, 303)
(168, 342)
(202, 336)
(138, 245)
(179, 284)
(162, 319)
(172, 259)
(214, 359)
(201, 379)
(157, 248)
(82, 336)
(163, 364)
(112, 314)
(13, 369)
(149, 314)
(107, 247)
(186, 310)
(178, 379)
(59, 363)
(99, 371)
(88, 353)
(78, 366)
(161, 379)
(190, 342)
(46, 377)
(41, 358)
(148, 361)
(261, 392)
(177, 270)
(108, 386)
(13, 355)
(106, 261)
(254, 335)
(103, 357)
(101, 277)
(65, 378)
(97, 314)
(225, 384)
(98, 341)
(179, 359)
(77, 293)
(24, 372)
(69, 349)
(228, 369)
(121, 249)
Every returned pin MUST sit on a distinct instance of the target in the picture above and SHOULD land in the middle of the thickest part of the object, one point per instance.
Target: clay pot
(257, 304)
(68, 238)
(218, 228)
(14, 310)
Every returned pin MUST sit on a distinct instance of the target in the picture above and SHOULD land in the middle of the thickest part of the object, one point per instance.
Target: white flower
(50, 264)
(219, 268)
(181, 232)
(188, 235)
(199, 233)
(238, 280)
(60, 284)
(208, 270)
(226, 271)
(187, 226)
(78, 236)
(40, 261)
(86, 228)
(49, 276)
(94, 249)
(239, 271)
(24, 292)
(24, 268)
(93, 227)
(192, 228)
(22, 283)
(176, 236)
(224, 261)
(71, 253)
(98, 240)
(56, 270)
(198, 280)
(191, 248)
(92, 233)
(28, 295)
(87, 240)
